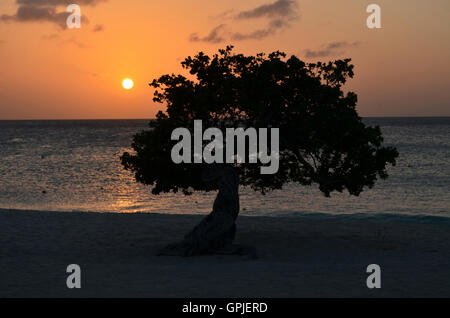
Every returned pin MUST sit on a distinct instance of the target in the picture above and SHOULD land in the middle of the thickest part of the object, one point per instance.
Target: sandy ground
(298, 257)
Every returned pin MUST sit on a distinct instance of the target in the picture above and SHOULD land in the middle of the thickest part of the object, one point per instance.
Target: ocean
(73, 165)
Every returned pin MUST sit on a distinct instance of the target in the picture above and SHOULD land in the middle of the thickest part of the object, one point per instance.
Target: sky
(49, 71)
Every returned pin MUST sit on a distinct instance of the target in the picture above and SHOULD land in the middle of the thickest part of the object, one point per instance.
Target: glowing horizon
(50, 72)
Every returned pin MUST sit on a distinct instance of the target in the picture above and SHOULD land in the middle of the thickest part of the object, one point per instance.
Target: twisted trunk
(216, 232)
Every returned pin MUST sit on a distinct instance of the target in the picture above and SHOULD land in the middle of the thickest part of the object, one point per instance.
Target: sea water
(73, 165)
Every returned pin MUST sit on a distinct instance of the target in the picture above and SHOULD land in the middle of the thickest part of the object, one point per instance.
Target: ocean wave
(372, 217)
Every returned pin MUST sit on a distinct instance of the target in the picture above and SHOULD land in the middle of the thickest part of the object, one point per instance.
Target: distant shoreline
(152, 119)
(362, 217)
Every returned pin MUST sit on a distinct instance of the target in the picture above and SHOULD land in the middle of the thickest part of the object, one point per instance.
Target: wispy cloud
(28, 13)
(212, 37)
(280, 8)
(98, 28)
(52, 36)
(258, 34)
(279, 15)
(65, 41)
(75, 42)
(334, 48)
(52, 11)
(58, 2)
(228, 14)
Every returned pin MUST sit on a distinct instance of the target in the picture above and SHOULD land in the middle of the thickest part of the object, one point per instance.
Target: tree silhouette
(322, 138)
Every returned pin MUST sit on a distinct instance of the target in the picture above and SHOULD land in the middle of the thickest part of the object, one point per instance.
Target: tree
(322, 139)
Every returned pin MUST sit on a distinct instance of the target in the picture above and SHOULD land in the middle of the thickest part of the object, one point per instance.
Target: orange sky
(47, 72)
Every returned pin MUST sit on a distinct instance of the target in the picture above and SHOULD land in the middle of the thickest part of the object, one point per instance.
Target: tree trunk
(216, 232)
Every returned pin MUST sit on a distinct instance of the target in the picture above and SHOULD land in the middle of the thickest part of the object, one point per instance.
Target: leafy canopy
(322, 138)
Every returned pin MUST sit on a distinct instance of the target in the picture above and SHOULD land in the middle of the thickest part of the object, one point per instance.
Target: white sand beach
(298, 257)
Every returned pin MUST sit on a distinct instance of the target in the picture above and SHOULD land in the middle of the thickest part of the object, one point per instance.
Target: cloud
(63, 41)
(36, 14)
(74, 41)
(279, 15)
(212, 37)
(98, 28)
(52, 11)
(50, 36)
(223, 15)
(334, 48)
(58, 2)
(259, 34)
(343, 44)
(280, 8)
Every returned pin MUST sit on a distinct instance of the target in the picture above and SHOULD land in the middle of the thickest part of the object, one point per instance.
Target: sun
(127, 83)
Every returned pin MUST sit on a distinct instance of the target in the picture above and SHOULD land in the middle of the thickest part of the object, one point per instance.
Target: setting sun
(127, 83)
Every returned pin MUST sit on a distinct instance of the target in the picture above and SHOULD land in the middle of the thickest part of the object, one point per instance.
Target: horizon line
(67, 119)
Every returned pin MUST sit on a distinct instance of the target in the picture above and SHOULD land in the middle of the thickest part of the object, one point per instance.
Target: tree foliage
(322, 138)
